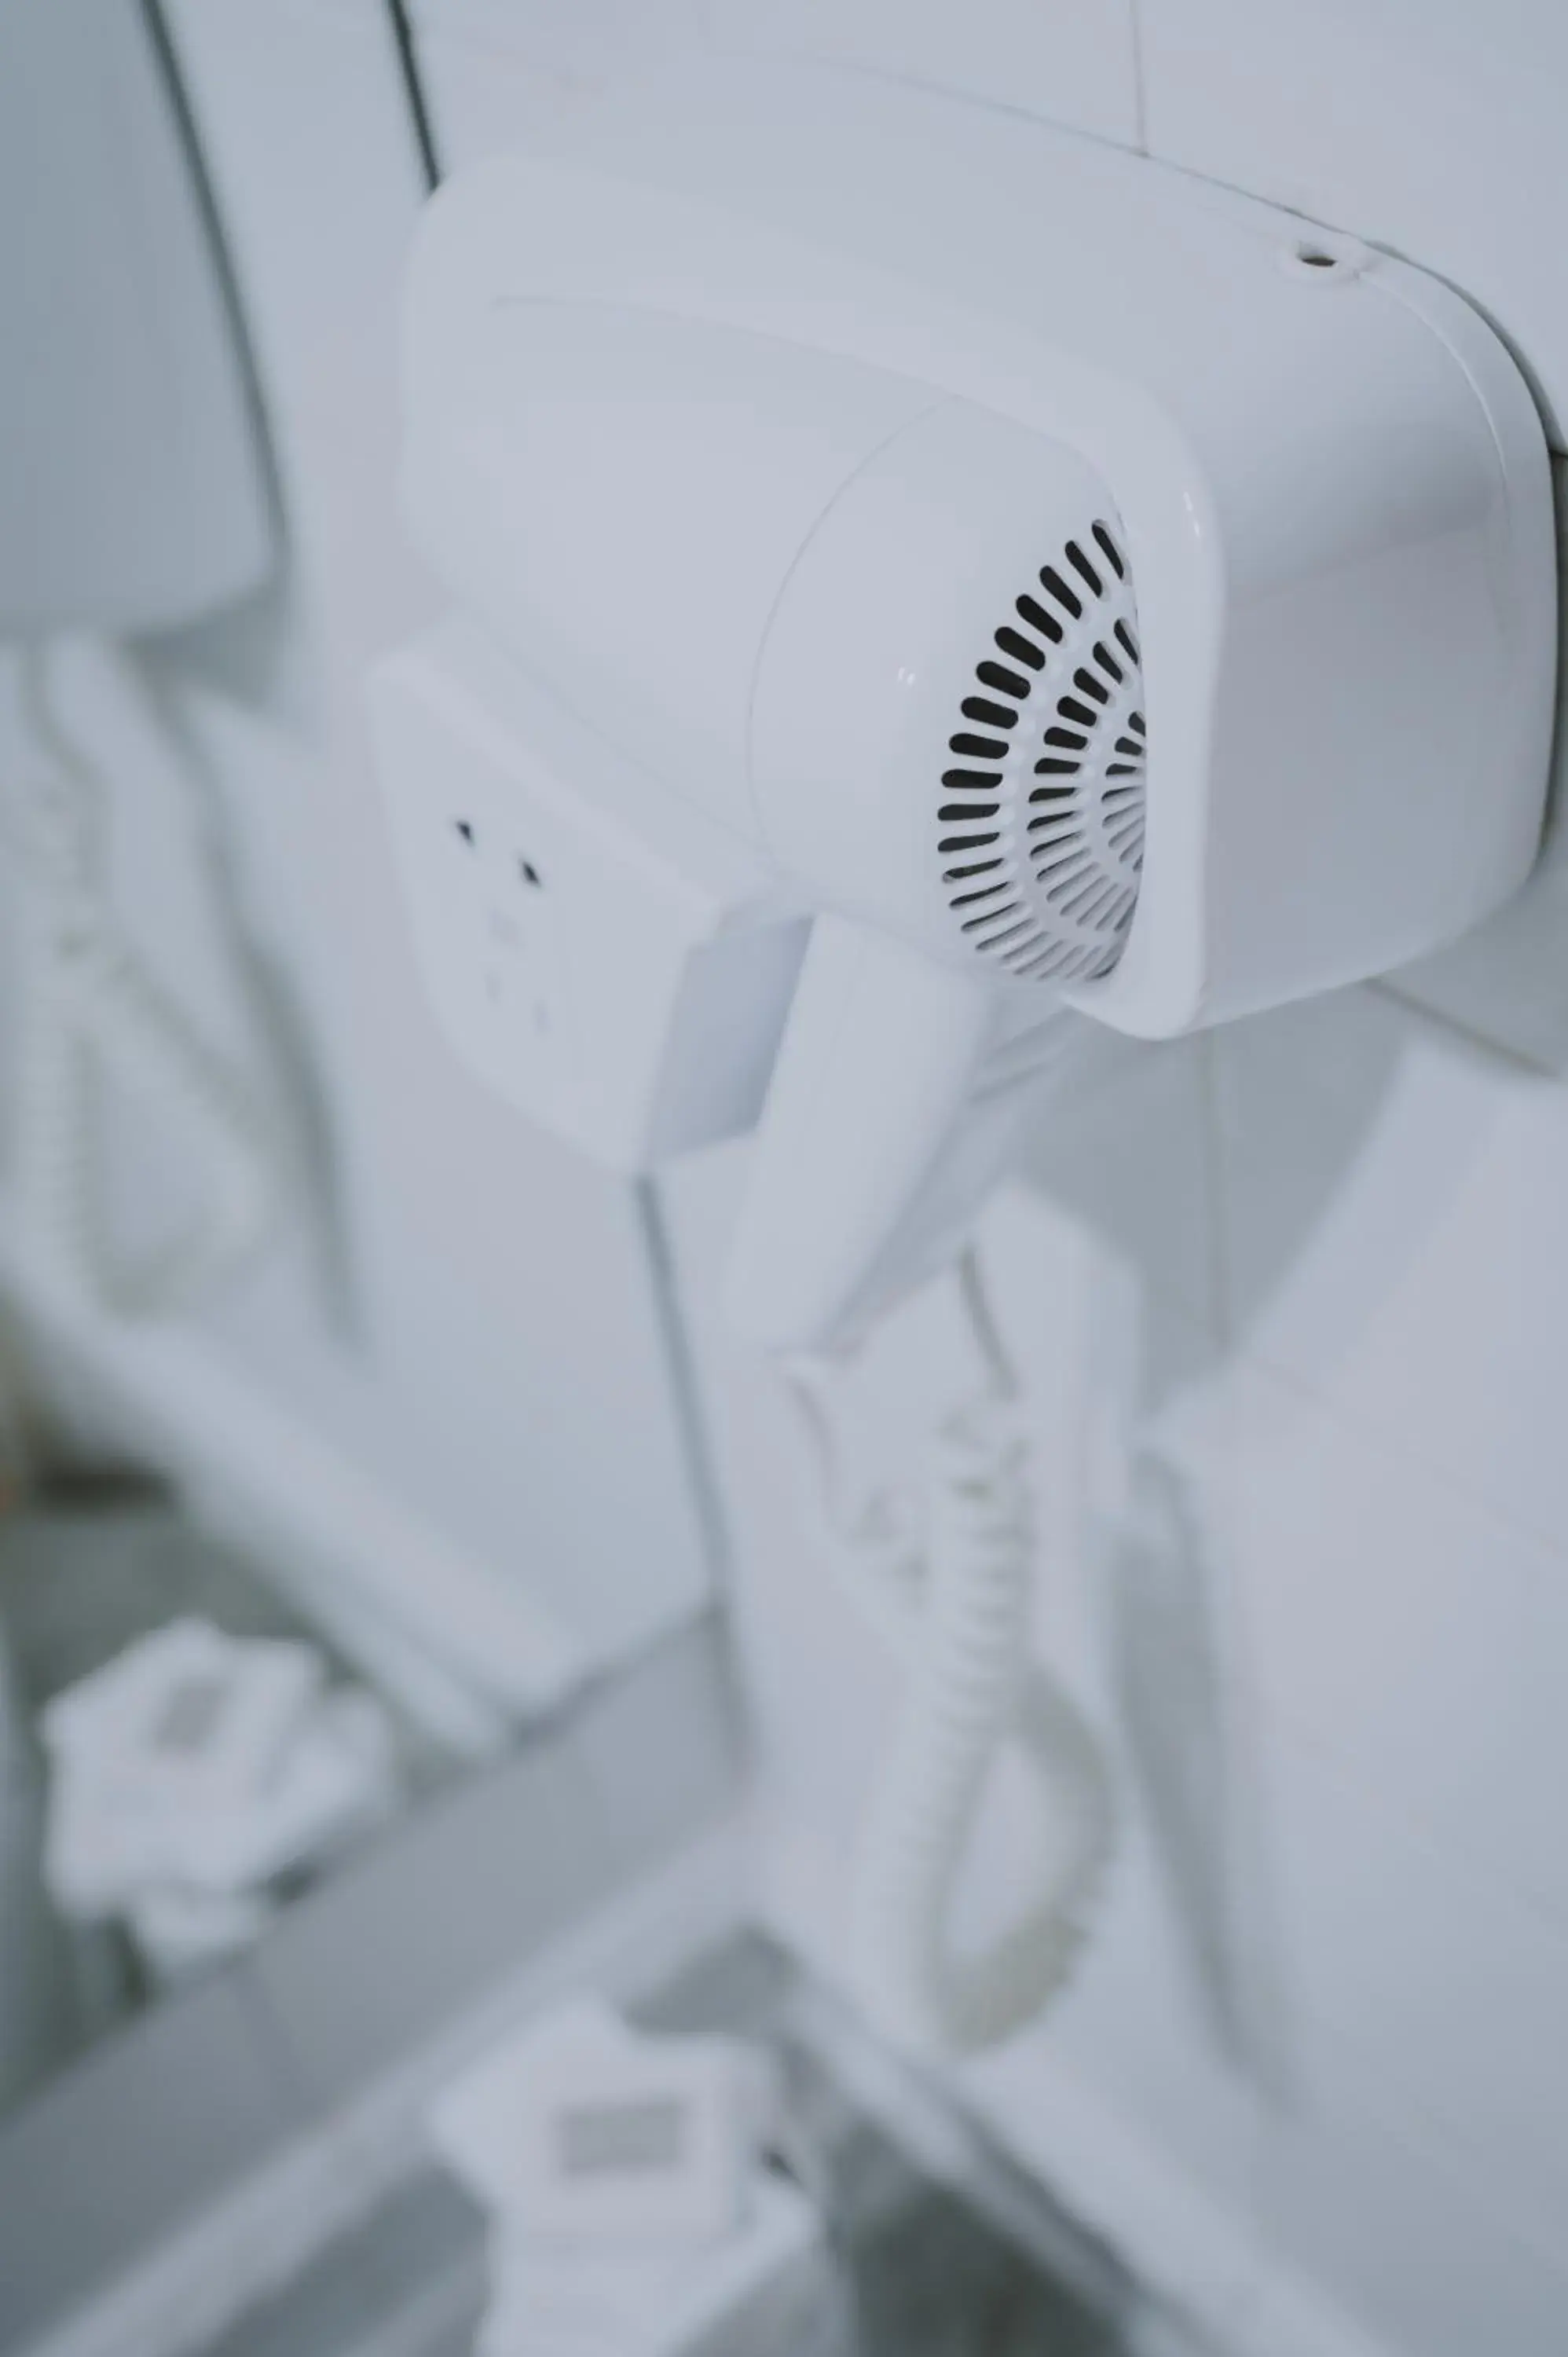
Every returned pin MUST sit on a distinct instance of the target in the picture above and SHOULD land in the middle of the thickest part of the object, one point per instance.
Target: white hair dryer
(1058, 578)
(1055, 580)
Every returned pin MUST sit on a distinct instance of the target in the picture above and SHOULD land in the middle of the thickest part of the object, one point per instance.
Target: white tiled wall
(1293, 1308)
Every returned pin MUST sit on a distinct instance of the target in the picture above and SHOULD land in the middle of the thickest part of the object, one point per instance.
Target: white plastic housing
(597, 952)
(743, 416)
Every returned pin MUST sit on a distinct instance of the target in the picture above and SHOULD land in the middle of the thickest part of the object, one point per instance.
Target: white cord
(89, 1005)
(959, 1609)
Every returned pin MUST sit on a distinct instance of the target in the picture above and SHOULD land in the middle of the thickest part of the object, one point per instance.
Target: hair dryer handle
(891, 1113)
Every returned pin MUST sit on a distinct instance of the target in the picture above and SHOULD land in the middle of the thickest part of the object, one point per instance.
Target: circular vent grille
(1041, 832)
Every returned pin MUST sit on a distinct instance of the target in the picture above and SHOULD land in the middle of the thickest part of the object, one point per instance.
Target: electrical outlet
(614, 967)
(502, 957)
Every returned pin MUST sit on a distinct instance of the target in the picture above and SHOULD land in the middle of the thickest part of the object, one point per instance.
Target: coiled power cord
(955, 1601)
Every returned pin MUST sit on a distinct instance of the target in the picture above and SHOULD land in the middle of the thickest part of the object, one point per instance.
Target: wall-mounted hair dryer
(1060, 579)
(1051, 579)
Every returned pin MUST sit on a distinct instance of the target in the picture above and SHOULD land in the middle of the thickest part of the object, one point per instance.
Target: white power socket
(612, 963)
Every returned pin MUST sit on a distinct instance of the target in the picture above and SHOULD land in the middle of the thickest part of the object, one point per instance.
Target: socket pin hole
(1313, 258)
(466, 829)
(529, 873)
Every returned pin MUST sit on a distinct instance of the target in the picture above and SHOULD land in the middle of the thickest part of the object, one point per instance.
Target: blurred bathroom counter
(927, 2268)
(162, 2183)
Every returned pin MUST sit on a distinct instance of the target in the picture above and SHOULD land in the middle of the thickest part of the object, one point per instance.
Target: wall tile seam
(1399, 1832)
(1140, 77)
(1217, 1484)
(1395, 2109)
(1217, 1220)
(1259, 1690)
(477, 33)
(1359, 1783)
(1371, 2335)
(1399, 1451)
(1481, 1049)
(1220, 1473)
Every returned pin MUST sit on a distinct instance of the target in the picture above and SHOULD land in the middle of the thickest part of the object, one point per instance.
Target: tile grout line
(1140, 84)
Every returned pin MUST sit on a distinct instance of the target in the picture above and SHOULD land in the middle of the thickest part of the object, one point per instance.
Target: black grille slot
(1050, 809)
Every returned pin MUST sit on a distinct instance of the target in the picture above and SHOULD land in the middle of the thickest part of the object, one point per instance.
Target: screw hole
(1331, 259)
